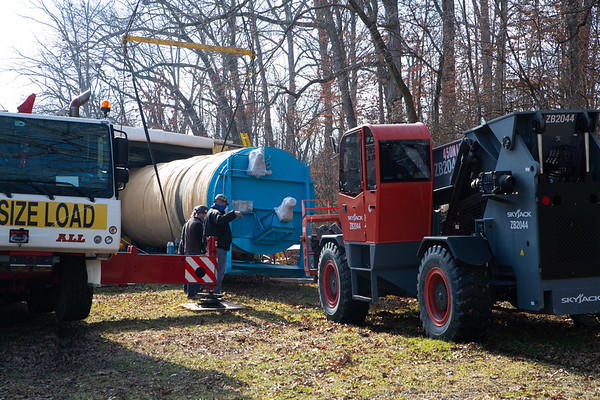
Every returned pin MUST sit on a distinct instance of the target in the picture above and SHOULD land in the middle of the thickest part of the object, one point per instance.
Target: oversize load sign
(44, 214)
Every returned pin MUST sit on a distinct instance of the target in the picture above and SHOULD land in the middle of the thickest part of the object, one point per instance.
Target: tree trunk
(339, 63)
(389, 61)
(577, 19)
(448, 94)
(498, 107)
(486, 59)
(290, 119)
(232, 74)
(326, 89)
(394, 98)
(264, 90)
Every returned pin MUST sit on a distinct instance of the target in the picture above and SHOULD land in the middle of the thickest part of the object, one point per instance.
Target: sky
(16, 32)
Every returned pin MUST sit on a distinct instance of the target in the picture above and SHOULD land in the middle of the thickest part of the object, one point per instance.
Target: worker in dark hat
(193, 242)
(217, 224)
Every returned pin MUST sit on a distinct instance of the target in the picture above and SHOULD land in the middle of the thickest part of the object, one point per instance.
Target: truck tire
(335, 287)
(454, 301)
(74, 300)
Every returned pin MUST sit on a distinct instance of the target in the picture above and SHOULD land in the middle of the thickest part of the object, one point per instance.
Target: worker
(193, 242)
(217, 224)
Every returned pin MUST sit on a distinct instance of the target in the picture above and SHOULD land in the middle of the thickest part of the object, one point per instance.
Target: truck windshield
(55, 157)
(404, 160)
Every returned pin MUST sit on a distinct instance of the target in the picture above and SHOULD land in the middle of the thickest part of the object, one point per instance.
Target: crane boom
(188, 45)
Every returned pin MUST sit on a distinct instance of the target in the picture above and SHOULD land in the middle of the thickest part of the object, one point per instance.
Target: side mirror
(121, 177)
(121, 151)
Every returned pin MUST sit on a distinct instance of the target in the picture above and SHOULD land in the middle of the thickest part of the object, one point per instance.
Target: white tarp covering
(285, 211)
(256, 163)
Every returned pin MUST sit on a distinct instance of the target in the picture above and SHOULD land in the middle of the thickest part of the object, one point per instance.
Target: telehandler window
(351, 164)
(370, 162)
(404, 160)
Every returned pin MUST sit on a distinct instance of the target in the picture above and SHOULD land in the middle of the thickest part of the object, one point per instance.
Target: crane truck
(511, 212)
(59, 213)
(60, 216)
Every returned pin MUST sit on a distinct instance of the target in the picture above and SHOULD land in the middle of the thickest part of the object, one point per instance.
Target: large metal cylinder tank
(255, 180)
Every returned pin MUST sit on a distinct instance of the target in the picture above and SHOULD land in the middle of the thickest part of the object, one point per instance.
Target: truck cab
(59, 212)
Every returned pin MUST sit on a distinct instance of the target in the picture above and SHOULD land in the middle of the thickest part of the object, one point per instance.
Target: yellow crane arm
(188, 45)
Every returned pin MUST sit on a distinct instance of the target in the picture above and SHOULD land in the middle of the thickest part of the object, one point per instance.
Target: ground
(139, 343)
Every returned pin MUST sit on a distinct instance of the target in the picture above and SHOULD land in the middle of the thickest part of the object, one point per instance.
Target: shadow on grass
(548, 339)
(41, 358)
(140, 288)
(202, 318)
(39, 355)
(273, 289)
(510, 331)
(237, 289)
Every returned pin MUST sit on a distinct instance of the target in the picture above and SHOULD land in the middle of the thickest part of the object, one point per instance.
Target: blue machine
(261, 231)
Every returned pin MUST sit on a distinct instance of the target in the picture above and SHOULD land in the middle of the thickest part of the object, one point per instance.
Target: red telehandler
(509, 213)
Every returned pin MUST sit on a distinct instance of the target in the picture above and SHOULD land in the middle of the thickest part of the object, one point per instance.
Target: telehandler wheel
(589, 321)
(74, 300)
(335, 287)
(454, 301)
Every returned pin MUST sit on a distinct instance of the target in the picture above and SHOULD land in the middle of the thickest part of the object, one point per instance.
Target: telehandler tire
(74, 300)
(454, 301)
(335, 288)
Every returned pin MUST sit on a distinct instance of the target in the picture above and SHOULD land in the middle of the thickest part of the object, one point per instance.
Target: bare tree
(317, 70)
(448, 98)
(487, 59)
(72, 61)
(577, 14)
(389, 60)
(339, 59)
(262, 72)
(498, 103)
(392, 24)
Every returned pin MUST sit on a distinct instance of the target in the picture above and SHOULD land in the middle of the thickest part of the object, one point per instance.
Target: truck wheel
(589, 321)
(40, 300)
(74, 299)
(453, 297)
(335, 288)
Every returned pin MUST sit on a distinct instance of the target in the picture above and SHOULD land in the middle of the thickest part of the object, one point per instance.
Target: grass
(138, 343)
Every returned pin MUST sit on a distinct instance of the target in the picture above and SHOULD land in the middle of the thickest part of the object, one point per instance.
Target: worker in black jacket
(216, 224)
(193, 242)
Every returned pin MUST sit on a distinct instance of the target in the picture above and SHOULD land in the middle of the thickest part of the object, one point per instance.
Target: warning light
(546, 200)
(105, 107)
